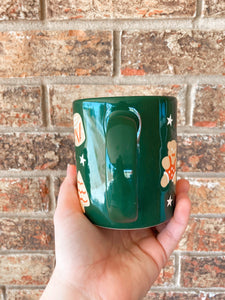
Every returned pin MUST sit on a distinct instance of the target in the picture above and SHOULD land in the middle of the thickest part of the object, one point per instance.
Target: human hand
(97, 263)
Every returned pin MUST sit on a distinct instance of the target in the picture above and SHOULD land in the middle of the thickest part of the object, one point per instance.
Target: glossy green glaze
(126, 159)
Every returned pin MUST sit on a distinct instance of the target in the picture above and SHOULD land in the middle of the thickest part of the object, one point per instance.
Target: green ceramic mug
(126, 155)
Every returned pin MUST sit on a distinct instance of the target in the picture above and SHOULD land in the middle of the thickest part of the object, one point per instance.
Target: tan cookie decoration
(82, 192)
(78, 130)
(169, 164)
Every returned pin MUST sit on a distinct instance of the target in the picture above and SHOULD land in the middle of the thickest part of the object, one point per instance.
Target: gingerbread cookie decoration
(78, 130)
(169, 164)
(82, 192)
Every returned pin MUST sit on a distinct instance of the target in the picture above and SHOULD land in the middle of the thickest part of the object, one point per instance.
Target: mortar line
(208, 216)
(197, 290)
(22, 287)
(43, 10)
(154, 79)
(200, 253)
(101, 24)
(190, 100)
(16, 173)
(199, 131)
(199, 14)
(3, 288)
(193, 23)
(197, 175)
(21, 252)
(46, 106)
(43, 106)
(177, 269)
(116, 54)
(52, 192)
(46, 216)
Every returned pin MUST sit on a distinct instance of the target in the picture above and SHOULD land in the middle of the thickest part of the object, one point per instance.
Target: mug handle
(122, 138)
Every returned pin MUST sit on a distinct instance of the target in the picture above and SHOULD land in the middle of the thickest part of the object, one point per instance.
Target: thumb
(68, 200)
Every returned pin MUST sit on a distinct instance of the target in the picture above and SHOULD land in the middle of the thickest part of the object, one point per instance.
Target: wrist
(58, 289)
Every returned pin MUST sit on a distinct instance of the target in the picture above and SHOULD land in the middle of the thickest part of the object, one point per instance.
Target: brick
(25, 151)
(153, 9)
(26, 234)
(55, 53)
(24, 294)
(167, 274)
(207, 195)
(172, 52)
(20, 10)
(184, 296)
(20, 106)
(26, 269)
(201, 153)
(205, 234)
(202, 272)
(116, 9)
(209, 110)
(62, 96)
(214, 8)
(84, 9)
(24, 195)
(155, 296)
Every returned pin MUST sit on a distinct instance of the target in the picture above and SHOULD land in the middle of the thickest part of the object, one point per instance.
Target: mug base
(135, 228)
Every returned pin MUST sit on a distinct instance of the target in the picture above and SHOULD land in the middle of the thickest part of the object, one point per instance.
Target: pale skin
(96, 263)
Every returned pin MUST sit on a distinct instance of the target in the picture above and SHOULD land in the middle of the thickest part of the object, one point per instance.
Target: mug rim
(118, 98)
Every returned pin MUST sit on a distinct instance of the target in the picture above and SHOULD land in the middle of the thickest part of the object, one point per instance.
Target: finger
(172, 233)
(68, 200)
(182, 186)
(71, 174)
(160, 227)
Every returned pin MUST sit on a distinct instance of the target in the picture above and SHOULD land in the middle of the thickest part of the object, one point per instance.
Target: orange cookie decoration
(169, 164)
(78, 130)
(82, 192)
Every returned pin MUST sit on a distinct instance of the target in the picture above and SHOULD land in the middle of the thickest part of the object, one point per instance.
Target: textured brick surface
(26, 234)
(214, 8)
(207, 195)
(36, 151)
(20, 106)
(202, 271)
(48, 58)
(24, 294)
(24, 195)
(55, 53)
(172, 52)
(202, 153)
(184, 296)
(209, 110)
(116, 9)
(167, 274)
(204, 235)
(62, 96)
(26, 269)
(19, 10)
